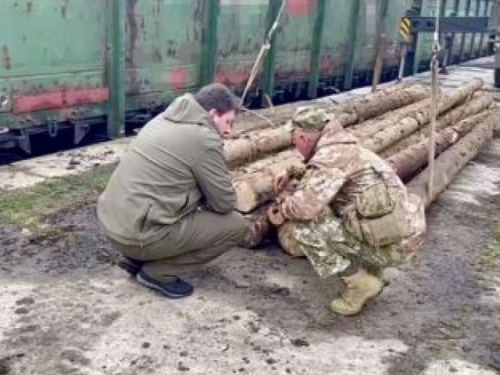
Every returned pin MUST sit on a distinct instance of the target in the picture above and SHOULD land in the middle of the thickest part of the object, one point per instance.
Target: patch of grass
(26, 208)
(491, 256)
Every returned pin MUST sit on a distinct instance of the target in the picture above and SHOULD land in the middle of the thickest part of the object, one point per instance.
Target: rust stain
(199, 17)
(64, 8)
(134, 28)
(300, 8)
(135, 84)
(331, 65)
(157, 56)
(158, 18)
(6, 60)
(178, 78)
(171, 50)
(233, 77)
(59, 98)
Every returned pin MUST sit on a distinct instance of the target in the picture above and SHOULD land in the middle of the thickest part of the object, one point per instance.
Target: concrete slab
(30, 172)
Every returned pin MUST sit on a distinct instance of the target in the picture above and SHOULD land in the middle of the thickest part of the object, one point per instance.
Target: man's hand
(290, 210)
(281, 182)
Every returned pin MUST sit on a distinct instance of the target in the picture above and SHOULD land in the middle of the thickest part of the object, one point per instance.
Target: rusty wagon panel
(110, 63)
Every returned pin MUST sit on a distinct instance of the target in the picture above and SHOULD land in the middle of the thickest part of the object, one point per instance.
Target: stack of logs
(393, 122)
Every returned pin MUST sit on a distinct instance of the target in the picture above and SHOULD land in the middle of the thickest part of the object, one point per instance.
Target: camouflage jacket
(359, 186)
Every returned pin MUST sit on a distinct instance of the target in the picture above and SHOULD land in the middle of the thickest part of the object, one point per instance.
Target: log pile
(392, 122)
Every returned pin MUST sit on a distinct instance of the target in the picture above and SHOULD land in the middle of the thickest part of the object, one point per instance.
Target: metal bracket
(139, 119)
(81, 130)
(449, 24)
(23, 140)
(52, 127)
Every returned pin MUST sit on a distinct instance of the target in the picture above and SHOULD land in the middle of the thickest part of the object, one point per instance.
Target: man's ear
(212, 112)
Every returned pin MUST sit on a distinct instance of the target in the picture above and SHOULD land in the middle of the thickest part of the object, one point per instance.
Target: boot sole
(162, 291)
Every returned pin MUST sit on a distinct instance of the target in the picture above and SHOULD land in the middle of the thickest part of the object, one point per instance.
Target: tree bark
(478, 104)
(254, 185)
(418, 112)
(451, 162)
(261, 164)
(348, 113)
(406, 126)
(378, 103)
(408, 161)
(254, 145)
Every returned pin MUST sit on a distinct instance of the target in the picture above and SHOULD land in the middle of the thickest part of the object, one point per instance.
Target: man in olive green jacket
(169, 205)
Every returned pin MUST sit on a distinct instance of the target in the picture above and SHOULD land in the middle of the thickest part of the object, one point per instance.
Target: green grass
(491, 255)
(26, 208)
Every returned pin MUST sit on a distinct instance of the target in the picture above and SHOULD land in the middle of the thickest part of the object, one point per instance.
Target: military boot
(359, 288)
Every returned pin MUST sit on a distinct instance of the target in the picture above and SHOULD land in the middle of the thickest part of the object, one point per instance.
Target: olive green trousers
(193, 241)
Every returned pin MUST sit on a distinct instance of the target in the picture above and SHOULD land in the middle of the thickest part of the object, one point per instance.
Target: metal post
(312, 90)
(270, 62)
(462, 44)
(442, 8)
(481, 40)
(353, 40)
(116, 66)
(402, 63)
(381, 43)
(416, 43)
(455, 13)
(209, 41)
(473, 39)
(447, 42)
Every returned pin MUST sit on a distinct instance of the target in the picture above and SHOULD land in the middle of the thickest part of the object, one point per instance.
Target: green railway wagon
(77, 65)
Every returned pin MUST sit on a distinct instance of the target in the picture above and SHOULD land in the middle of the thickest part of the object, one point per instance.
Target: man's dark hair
(219, 97)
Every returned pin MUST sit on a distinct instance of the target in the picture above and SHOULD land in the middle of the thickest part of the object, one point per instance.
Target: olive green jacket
(175, 164)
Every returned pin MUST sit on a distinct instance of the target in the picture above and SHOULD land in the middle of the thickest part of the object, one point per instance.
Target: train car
(105, 66)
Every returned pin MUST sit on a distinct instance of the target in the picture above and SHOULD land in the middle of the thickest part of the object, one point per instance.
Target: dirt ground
(66, 309)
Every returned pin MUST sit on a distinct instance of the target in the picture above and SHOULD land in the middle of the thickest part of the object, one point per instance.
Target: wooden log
(406, 126)
(451, 162)
(261, 227)
(257, 187)
(253, 146)
(259, 119)
(380, 102)
(287, 241)
(408, 161)
(479, 103)
(417, 114)
(254, 182)
(261, 164)
(367, 129)
(348, 112)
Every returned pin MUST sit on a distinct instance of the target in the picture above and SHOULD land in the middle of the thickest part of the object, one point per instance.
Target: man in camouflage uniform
(348, 212)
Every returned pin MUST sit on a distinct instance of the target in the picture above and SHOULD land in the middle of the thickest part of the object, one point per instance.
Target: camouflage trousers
(331, 248)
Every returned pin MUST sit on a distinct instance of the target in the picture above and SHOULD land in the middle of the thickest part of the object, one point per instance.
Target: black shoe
(177, 288)
(130, 265)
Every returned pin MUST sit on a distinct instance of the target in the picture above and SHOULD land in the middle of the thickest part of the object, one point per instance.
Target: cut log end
(275, 216)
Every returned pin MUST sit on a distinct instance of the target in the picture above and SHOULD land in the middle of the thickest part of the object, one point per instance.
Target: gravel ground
(66, 309)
